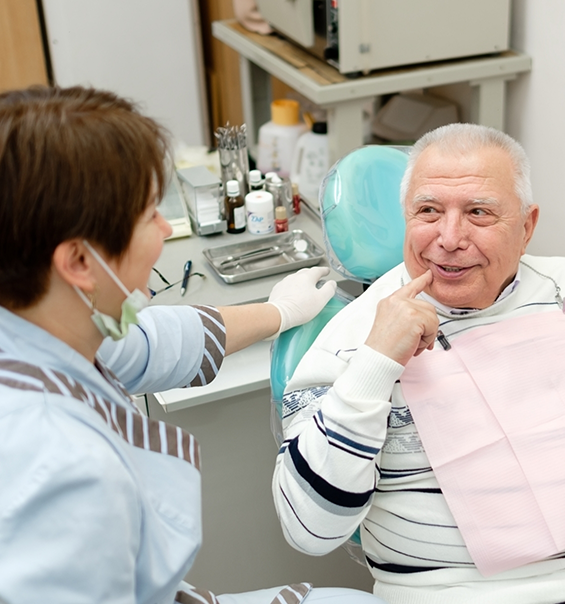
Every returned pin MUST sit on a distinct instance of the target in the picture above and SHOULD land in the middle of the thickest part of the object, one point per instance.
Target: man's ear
(74, 265)
(530, 225)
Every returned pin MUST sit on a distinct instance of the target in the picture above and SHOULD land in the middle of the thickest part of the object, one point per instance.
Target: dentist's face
(145, 247)
(464, 223)
(134, 267)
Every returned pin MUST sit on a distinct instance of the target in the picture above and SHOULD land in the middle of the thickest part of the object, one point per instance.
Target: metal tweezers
(264, 252)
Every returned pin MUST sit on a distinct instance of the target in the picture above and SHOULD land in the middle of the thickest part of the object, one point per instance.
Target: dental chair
(363, 229)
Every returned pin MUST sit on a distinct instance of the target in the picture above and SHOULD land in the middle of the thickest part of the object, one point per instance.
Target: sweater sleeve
(327, 468)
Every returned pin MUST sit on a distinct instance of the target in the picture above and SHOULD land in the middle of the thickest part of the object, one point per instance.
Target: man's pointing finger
(417, 285)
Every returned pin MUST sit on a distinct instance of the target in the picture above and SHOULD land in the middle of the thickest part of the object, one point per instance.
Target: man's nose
(453, 233)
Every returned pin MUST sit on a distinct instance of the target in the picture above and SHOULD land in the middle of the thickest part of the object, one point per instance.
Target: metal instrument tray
(263, 257)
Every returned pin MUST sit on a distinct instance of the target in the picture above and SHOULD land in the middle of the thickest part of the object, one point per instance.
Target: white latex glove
(298, 299)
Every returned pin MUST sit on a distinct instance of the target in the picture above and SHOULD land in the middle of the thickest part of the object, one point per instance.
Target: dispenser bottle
(311, 162)
(235, 208)
(278, 137)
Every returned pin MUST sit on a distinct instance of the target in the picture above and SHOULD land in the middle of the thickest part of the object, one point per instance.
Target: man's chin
(455, 296)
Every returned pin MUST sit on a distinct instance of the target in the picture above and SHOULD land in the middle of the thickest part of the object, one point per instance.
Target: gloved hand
(298, 299)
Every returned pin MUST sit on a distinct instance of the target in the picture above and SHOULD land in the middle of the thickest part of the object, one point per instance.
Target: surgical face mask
(134, 302)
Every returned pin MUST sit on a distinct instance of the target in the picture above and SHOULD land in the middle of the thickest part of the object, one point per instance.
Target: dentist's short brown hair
(74, 163)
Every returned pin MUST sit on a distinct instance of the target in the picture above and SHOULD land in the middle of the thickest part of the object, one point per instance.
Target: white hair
(466, 138)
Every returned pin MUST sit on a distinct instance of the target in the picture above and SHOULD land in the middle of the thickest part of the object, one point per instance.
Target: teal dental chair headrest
(362, 219)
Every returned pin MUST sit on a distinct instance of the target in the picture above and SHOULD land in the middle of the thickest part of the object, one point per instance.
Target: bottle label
(239, 217)
(259, 223)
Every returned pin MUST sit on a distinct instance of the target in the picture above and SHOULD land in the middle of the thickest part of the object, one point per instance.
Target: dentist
(99, 503)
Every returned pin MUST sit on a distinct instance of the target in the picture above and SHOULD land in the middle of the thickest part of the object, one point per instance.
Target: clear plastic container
(278, 137)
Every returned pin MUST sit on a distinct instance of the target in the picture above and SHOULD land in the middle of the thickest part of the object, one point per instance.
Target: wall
(535, 113)
(143, 49)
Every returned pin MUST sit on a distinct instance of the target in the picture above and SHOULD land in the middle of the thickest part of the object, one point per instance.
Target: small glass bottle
(295, 198)
(256, 182)
(281, 220)
(235, 208)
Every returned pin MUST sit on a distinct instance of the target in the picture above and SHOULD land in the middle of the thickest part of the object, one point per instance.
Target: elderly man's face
(464, 223)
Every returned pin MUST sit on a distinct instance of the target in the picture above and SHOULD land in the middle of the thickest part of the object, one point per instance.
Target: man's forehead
(455, 160)
(487, 166)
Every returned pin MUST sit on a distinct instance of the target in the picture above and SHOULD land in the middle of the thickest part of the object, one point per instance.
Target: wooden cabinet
(222, 70)
(22, 59)
(221, 67)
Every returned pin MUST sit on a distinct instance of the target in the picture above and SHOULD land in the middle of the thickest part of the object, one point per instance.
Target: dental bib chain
(558, 297)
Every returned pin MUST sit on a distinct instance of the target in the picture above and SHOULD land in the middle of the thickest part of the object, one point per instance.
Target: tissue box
(204, 199)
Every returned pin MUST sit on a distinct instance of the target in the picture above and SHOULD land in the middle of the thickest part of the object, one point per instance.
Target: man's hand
(404, 326)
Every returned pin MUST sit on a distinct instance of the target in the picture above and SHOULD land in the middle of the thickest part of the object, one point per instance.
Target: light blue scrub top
(84, 515)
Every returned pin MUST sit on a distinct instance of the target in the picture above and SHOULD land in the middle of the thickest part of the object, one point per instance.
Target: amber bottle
(234, 208)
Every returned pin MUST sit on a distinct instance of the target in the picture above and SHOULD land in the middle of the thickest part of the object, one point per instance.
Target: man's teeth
(451, 269)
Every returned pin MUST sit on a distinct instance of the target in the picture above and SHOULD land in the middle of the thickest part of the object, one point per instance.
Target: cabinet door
(22, 61)
(222, 67)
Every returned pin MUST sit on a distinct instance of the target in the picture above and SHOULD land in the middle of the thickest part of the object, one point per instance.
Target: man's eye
(478, 212)
(427, 210)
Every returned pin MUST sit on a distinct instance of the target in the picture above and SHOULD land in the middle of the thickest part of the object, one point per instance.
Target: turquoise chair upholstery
(363, 228)
(286, 352)
(362, 218)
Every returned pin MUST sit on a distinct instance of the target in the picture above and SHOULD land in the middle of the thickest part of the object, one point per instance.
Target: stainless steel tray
(268, 255)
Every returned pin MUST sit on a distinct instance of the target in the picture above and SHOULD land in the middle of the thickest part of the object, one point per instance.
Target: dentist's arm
(169, 348)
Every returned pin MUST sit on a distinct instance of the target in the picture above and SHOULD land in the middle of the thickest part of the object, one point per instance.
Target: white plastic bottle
(278, 137)
(311, 162)
(260, 212)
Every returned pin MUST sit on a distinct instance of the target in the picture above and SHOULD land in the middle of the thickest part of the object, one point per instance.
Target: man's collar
(448, 310)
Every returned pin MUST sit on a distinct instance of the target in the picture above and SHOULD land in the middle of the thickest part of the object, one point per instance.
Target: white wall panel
(536, 113)
(147, 50)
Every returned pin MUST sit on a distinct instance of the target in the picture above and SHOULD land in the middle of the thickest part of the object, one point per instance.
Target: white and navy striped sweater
(352, 456)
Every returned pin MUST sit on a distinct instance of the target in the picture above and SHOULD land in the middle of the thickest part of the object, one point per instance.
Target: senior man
(430, 410)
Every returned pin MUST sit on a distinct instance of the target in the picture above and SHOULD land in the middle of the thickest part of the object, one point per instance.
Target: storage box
(204, 198)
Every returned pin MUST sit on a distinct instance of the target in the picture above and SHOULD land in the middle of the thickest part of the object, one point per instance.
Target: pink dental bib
(491, 416)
